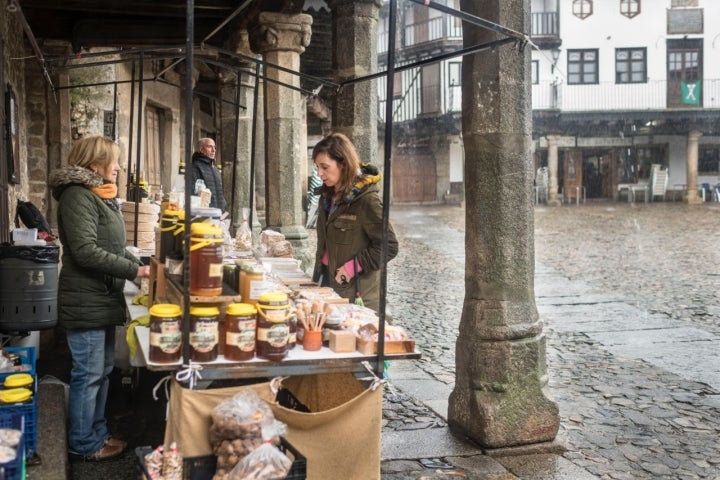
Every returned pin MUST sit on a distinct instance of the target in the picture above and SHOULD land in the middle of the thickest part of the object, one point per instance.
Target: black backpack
(31, 217)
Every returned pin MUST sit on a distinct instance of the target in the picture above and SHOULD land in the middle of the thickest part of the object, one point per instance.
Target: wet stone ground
(621, 418)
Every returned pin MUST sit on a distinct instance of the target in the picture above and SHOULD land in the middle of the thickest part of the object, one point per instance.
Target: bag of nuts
(236, 430)
(266, 461)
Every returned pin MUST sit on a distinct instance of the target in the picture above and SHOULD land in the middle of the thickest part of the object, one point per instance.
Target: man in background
(203, 168)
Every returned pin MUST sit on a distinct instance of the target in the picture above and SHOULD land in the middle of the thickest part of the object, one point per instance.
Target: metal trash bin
(28, 288)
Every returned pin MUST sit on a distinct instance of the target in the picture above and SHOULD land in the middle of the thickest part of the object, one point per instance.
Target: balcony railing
(610, 96)
(544, 24)
(440, 28)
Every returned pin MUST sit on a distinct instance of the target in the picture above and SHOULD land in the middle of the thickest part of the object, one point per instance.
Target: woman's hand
(342, 276)
(143, 271)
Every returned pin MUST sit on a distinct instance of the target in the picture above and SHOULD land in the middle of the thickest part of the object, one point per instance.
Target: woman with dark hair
(95, 266)
(350, 222)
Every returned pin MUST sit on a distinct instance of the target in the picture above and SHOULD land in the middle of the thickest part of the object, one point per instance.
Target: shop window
(582, 8)
(630, 65)
(582, 67)
(709, 160)
(630, 8)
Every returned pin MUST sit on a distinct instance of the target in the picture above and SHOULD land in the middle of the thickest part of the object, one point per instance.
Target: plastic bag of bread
(267, 461)
(282, 249)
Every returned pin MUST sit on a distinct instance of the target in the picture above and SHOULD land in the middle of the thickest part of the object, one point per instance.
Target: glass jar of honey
(252, 282)
(240, 324)
(165, 333)
(204, 333)
(206, 259)
(273, 331)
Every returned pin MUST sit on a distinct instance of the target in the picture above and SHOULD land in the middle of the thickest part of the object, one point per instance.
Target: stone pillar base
(501, 400)
(692, 199)
(554, 203)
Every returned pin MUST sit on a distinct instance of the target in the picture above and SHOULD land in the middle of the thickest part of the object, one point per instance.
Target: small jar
(240, 324)
(165, 333)
(273, 331)
(252, 282)
(204, 333)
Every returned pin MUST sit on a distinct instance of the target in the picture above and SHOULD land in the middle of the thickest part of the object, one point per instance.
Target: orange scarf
(107, 190)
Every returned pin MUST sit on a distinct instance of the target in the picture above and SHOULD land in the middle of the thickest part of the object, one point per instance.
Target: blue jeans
(93, 355)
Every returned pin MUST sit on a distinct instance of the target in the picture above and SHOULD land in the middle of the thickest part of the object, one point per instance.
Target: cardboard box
(342, 341)
(369, 347)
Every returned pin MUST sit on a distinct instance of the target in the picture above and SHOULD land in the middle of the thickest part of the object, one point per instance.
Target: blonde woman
(95, 266)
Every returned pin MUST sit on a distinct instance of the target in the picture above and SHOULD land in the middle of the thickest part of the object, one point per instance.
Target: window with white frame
(582, 67)
(582, 8)
(630, 65)
(630, 8)
(455, 86)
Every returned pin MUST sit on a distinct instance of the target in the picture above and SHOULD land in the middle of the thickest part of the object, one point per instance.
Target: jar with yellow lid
(240, 325)
(165, 333)
(206, 259)
(204, 333)
(168, 225)
(273, 331)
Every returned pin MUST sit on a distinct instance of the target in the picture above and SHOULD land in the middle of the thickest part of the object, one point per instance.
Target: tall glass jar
(168, 225)
(206, 259)
(204, 333)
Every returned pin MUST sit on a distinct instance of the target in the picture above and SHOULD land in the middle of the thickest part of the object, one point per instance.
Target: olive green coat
(95, 263)
(355, 230)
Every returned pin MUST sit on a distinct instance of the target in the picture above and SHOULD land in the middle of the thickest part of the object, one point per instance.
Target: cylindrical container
(240, 325)
(28, 287)
(312, 340)
(204, 333)
(165, 333)
(206, 255)
(273, 331)
(252, 283)
(168, 225)
(292, 329)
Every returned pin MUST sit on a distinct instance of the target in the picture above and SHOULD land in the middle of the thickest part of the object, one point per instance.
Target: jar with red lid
(240, 325)
(204, 333)
(206, 259)
(165, 333)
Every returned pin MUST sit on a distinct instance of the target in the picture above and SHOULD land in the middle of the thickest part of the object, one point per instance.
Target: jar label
(215, 270)
(244, 340)
(205, 336)
(276, 315)
(277, 335)
(258, 287)
(168, 340)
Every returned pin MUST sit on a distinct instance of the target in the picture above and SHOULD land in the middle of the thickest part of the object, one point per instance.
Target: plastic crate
(28, 363)
(203, 467)
(15, 469)
(28, 411)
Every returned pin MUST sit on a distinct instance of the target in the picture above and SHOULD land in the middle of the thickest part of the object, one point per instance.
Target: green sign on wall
(690, 92)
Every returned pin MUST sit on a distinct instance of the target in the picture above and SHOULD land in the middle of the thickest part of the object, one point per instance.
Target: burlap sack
(341, 439)
(189, 415)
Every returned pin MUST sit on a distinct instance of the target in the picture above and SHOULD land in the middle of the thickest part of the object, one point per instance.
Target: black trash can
(28, 288)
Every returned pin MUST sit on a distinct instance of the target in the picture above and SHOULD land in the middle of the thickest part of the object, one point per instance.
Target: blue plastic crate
(28, 412)
(15, 469)
(28, 363)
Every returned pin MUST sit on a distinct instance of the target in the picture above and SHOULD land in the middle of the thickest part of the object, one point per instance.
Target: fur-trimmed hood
(67, 176)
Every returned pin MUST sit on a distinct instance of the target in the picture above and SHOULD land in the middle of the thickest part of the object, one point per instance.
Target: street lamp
(555, 52)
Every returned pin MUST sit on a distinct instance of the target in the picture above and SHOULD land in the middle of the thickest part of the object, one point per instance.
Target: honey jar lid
(204, 311)
(204, 228)
(273, 298)
(240, 309)
(165, 310)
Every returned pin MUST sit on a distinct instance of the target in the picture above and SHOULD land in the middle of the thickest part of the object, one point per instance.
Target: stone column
(552, 141)
(281, 38)
(500, 395)
(691, 195)
(354, 33)
(239, 136)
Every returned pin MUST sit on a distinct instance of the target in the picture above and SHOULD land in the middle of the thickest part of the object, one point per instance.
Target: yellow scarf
(107, 190)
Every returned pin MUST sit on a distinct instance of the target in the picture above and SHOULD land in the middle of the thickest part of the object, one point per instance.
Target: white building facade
(622, 85)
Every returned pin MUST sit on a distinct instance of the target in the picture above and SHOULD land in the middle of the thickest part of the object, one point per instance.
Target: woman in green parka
(350, 222)
(91, 303)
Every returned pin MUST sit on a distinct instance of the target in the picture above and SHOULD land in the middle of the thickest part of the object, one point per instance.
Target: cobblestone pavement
(621, 417)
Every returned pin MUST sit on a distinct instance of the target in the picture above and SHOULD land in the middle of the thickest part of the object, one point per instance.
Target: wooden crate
(369, 347)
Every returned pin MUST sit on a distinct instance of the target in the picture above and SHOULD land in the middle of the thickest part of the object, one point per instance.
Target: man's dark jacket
(203, 168)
